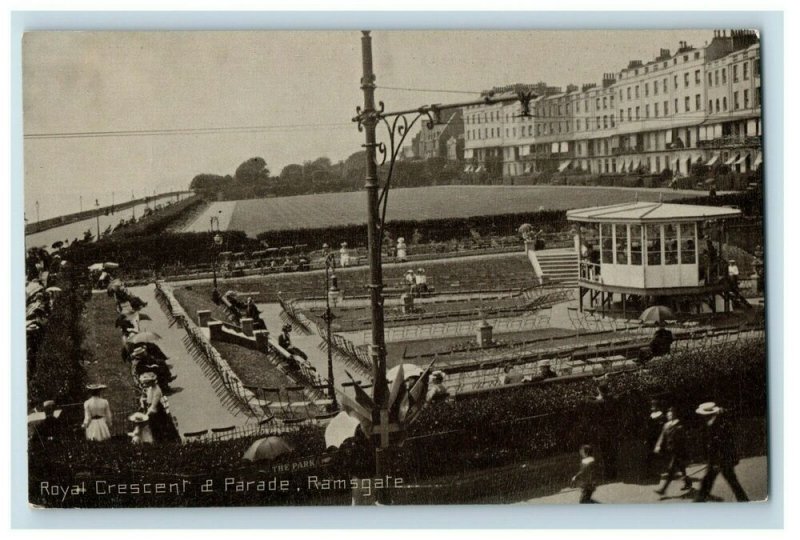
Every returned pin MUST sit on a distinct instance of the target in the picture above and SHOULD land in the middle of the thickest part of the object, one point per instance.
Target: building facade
(445, 140)
(693, 106)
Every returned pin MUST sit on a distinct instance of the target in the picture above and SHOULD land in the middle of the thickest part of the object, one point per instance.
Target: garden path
(194, 403)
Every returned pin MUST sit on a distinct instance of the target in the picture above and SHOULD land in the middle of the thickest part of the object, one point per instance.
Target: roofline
(690, 219)
(606, 214)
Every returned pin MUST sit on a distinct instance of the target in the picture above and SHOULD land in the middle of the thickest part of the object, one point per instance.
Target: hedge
(537, 421)
(483, 429)
(55, 370)
(433, 230)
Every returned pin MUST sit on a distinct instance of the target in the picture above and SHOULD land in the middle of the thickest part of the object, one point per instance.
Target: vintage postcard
(394, 267)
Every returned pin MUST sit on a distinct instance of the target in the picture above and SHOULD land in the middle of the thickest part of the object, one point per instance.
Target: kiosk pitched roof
(646, 212)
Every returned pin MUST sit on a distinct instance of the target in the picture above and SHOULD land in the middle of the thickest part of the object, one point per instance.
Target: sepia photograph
(394, 267)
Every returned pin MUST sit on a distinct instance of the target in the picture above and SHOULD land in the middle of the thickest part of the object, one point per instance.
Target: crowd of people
(668, 444)
(41, 292)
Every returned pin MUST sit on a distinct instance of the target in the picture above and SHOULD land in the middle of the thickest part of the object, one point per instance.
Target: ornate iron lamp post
(398, 125)
(334, 294)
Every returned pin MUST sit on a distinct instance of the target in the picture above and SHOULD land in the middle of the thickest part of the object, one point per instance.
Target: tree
(206, 182)
(251, 171)
(292, 173)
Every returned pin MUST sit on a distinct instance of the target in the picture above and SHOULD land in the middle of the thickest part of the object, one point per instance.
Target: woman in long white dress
(344, 255)
(97, 415)
(401, 249)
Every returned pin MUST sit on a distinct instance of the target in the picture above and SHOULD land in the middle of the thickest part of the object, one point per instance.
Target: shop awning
(732, 160)
(563, 165)
(713, 160)
(759, 159)
(742, 159)
(479, 168)
(468, 168)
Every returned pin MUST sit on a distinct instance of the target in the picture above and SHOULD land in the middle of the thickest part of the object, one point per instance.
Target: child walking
(585, 477)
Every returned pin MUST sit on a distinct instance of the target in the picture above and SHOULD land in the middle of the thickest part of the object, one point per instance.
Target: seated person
(437, 391)
(545, 372)
(253, 312)
(285, 341)
(233, 300)
(510, 375)
(662, 340)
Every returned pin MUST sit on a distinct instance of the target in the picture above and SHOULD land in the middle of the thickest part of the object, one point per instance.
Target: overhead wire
(276, 128)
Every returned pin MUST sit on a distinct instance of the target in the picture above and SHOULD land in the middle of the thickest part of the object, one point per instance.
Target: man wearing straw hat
(721, 452)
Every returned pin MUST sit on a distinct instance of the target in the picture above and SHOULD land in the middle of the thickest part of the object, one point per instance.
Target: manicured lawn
(322, 210)
(358, 318)
(196, 298)
(450, 275)
(252, 367)
(104, 341)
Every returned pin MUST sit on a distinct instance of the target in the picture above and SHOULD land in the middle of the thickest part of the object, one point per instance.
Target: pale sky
(116, 81)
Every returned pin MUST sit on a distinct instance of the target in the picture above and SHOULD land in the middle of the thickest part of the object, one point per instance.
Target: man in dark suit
(721, 453)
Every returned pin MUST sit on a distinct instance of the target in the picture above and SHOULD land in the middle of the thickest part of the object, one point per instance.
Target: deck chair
(219, 434)
(195, 435)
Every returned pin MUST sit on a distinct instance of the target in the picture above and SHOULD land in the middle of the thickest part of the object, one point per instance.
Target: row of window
(718, 75)
(713, 105)
(656, 244)
(631, 92)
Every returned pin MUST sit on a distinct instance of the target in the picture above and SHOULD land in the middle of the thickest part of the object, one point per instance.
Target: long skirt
(162, 427)
(97, 430)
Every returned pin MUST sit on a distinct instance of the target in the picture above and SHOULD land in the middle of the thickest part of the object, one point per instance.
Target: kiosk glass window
(653, 245)
(621, 238)
(607, 247)
(688, 244)
(590, 236)
(670, 244)
(636, 244)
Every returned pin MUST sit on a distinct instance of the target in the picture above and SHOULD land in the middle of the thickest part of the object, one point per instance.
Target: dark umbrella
(267, 449)
(657, 314)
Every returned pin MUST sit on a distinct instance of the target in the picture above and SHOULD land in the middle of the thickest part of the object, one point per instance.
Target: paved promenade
(752, 473)
(194, 403)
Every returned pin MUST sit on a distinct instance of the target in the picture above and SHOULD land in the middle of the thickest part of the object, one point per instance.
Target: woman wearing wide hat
(161, 425)
(97, 415)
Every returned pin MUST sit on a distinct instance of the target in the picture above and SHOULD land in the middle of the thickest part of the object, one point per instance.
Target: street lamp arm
(436, 108)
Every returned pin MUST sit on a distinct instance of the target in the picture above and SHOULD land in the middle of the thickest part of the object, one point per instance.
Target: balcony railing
(731, 141)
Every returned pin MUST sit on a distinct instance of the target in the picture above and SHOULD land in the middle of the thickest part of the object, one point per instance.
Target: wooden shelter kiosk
(637, 254)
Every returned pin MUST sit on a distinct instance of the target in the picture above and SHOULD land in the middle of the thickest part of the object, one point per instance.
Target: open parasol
(144, 337)
(267, 449)
(341, 427)
(657, 314)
